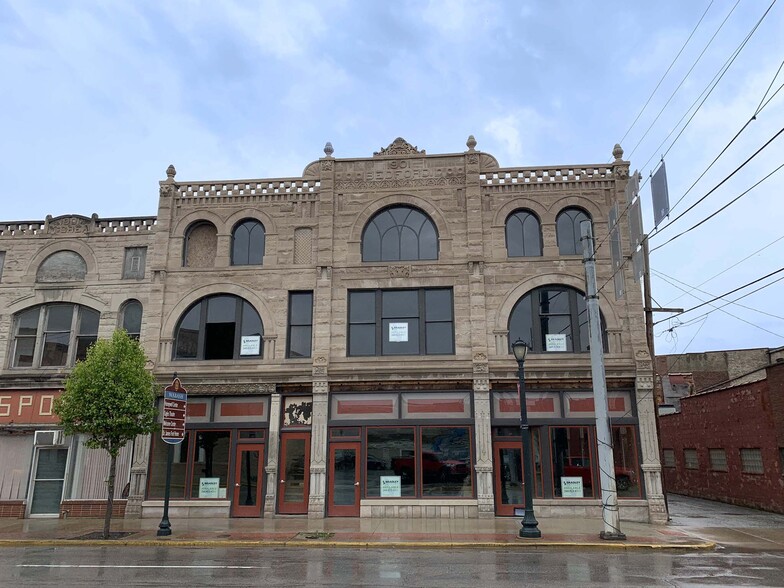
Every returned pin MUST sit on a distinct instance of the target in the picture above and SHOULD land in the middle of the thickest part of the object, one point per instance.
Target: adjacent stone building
(344, 337)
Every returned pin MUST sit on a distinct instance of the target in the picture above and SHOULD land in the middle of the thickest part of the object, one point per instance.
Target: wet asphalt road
(153, 566)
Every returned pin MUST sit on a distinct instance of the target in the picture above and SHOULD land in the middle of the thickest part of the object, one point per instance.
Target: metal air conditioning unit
(49, 438)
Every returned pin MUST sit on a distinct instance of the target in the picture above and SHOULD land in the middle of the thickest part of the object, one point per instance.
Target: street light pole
(530, 526)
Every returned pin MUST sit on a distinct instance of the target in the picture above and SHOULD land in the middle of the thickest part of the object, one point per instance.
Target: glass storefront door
(248, 477)
(294, 473)
(48, 481)
(344, 488)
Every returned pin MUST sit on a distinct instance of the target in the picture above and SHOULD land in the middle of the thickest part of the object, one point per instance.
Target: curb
(10, 543)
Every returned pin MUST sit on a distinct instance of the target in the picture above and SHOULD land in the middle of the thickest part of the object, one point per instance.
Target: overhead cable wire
(710, 216)
(773, 273)
(688, 73)
(647, 102)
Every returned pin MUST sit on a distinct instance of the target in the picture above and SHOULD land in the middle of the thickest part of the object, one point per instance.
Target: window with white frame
(53, 335)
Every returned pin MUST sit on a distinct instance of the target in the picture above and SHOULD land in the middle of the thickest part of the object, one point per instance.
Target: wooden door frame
(296, 508)
(504, 510)
(334, 510)
(238, 510)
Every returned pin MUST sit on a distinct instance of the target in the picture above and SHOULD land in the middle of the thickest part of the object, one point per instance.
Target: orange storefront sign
(28, 407)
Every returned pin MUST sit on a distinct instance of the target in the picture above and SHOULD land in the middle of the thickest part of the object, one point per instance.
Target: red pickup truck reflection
(433, 469)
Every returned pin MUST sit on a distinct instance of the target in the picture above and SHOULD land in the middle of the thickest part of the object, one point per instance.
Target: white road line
(142, 566)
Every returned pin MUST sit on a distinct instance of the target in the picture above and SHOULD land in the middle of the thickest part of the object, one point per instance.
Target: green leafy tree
(110, 397)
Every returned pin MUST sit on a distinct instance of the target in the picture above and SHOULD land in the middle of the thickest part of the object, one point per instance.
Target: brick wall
(12, 509)
(739, 417)
(91, 508)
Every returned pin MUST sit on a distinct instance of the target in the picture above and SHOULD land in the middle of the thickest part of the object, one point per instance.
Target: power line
(778, 271)
(694, 30)
(707, 218)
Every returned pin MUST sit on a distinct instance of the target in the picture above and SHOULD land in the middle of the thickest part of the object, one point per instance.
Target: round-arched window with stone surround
(247, 243)
(523, 234)
(53, 335)
(553, 318)
(567, 229)
(221, 326)
(201, 245)
(399, 233)
(131, 318)
(62, 266)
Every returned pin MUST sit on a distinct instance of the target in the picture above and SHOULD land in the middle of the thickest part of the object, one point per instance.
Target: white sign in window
(250, 345)
(210, 488)
(398, 332)
(390, 486)
(571, 487)
(555, 342)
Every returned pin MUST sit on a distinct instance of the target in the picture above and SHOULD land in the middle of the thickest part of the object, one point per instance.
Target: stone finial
(328, 149)
(471, 143)
(171, 172)
(618, 152)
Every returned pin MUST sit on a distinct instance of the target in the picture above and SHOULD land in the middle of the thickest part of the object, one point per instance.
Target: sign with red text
(175, 403)
(28, 407)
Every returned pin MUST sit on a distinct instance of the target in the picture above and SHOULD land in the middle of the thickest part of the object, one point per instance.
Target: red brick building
(727, 443)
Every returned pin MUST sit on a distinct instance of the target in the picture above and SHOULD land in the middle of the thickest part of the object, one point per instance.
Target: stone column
(484, 442)
(318, 451)
(273, 451)
(649, 441)
(139, 468)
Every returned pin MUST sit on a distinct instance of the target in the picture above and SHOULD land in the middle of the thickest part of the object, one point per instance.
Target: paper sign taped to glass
(398, 332)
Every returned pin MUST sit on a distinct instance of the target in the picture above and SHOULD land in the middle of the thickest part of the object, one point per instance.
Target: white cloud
(516, 133)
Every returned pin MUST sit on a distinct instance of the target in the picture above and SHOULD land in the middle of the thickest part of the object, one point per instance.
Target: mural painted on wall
(297, 411)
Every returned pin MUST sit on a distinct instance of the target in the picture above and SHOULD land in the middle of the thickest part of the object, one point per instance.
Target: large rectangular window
(572, 462)
(300, 332)
(390, 452)
(446, 461)
(53, 335)
(210, 464)
(401, 322)
(627, 475)
(157, 478)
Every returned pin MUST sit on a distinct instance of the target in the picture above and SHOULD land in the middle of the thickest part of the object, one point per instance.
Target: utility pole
(610, 514)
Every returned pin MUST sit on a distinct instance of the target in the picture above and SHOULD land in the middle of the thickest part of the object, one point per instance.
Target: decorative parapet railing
(550, 176)
(277, 189)
(75, 225)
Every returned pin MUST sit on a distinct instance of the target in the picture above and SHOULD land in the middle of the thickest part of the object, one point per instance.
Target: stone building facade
(344, 337)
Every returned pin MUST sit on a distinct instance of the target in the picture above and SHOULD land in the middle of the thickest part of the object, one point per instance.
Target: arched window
(553, 318)
(201, 245)
(131, 318)
(399, 233)
(247, 243)
(567, 227)
(523, 235)
(53, 335)
(219, 327)
(62, 266)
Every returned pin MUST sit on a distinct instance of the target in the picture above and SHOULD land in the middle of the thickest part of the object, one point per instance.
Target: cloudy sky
(100, 97)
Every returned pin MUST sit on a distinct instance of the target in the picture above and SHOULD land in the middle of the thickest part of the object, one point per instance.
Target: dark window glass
(26, 330)
(362, 323)
(446, 461)
(211, 460)
(568, 230)
(132, 318)
(627, 474)
(247, 243)
(390, 452)
(300, 324)
(219, 327)
(553, 318)
(344, 432)
(157, 478)
(57, 335)
(523, 235)
(134, 262)
(88, 332)
(399, 233)
(571, 453)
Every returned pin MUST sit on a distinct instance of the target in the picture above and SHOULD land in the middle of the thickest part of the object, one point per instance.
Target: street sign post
(175, 403)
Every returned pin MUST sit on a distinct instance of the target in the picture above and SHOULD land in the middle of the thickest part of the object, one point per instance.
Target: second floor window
(53, 335)
(523, 235)
(247, 243)
(300, 324)
(131, 313)
(567, 228)
(401, 322)
(399, 233)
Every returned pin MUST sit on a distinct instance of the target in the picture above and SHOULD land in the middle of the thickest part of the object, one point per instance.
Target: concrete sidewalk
(345, 532)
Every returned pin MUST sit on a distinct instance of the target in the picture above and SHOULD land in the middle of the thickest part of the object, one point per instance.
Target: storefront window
(627, 478)
(572, 462)
(390, 452)
(446, 461)
(157, 481)
(211, 464)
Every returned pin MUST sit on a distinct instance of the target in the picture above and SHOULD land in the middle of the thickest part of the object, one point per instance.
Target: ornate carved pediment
(399, 147)
(69, 224)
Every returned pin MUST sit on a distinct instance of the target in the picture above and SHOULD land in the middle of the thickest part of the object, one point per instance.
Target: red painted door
(294, 473)
(248, 478)
(344, 488)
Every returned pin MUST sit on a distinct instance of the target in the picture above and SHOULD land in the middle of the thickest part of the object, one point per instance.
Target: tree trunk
(110, 500)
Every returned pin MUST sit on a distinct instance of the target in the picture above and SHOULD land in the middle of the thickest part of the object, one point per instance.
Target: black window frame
(421, 317)
(576, 216)
(132, 333)
(536, 338)
(201, 345)
(516, 216)
(243, 224)
(297, 324)
(364, 246)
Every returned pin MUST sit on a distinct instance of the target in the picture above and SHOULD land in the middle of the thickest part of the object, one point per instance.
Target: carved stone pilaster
(484, 453)
(273, 451)
(318, 449)
(139, 467)
(649, 448)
